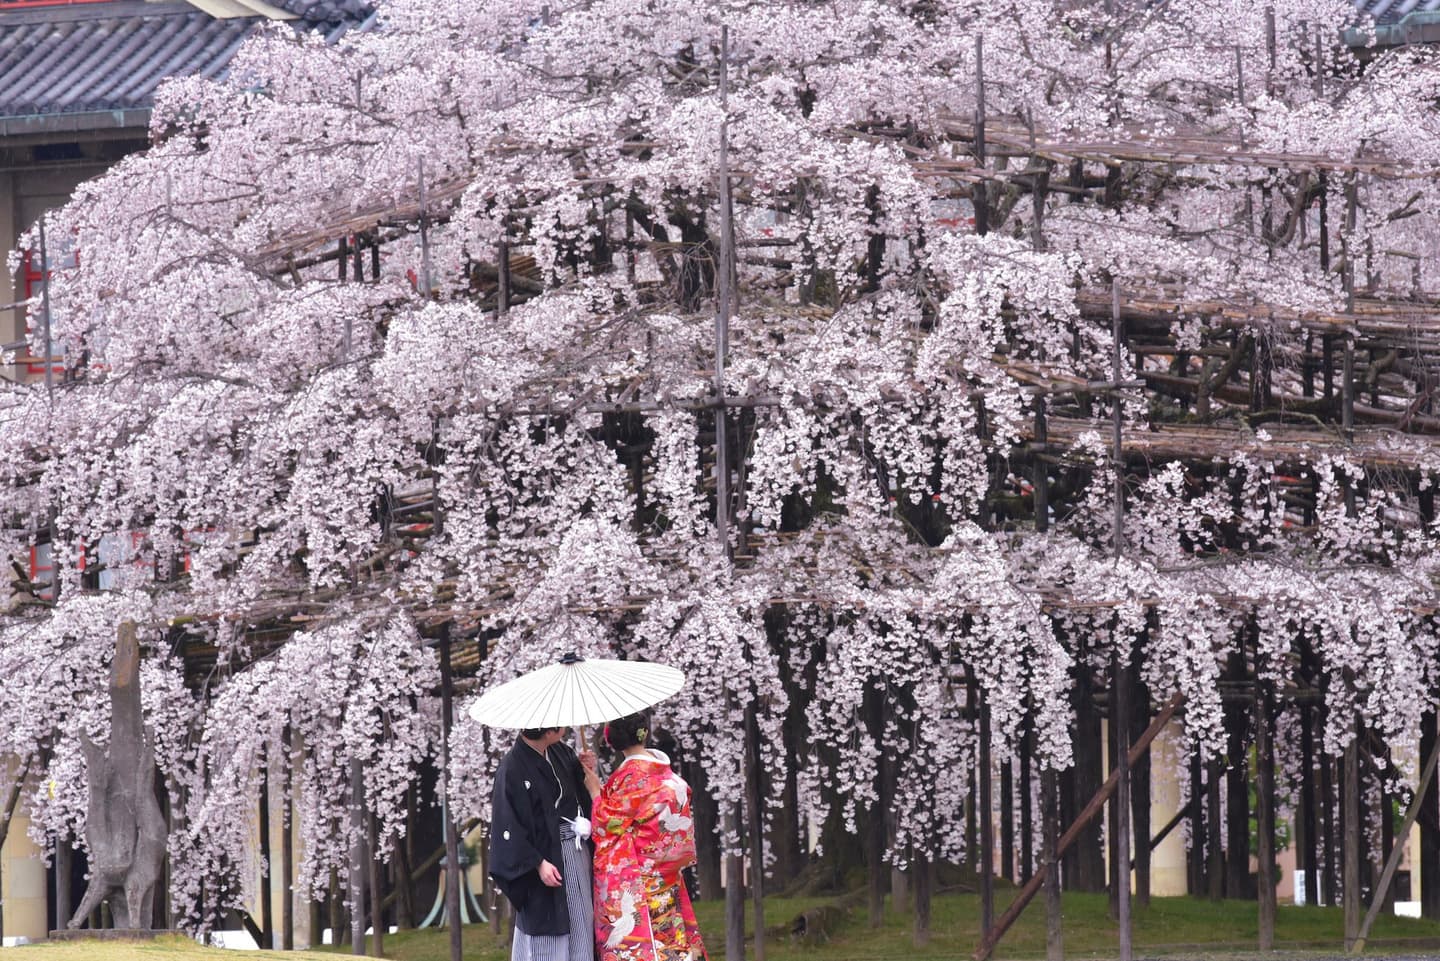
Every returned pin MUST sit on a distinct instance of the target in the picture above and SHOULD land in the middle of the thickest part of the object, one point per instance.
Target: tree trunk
(125, 829)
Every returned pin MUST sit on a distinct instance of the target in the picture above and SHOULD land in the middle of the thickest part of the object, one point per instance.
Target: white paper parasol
(576, 692)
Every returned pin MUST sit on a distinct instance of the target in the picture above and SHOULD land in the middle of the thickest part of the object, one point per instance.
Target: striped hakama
(579, 944)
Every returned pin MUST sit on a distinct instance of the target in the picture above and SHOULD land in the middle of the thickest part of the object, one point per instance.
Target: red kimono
(644, 836)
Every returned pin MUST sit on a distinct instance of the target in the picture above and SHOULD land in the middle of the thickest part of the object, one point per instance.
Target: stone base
(114, 934)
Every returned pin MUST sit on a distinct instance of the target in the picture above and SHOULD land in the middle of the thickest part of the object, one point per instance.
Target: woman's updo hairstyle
(627, 732)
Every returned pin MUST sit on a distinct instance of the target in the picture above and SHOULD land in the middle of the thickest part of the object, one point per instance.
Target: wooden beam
(1097, 803)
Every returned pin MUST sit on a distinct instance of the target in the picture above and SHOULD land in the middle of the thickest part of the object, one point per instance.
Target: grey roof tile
(1390, 11)
(102, 57)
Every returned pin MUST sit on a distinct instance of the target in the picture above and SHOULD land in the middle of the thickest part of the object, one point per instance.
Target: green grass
(1175, 926)
(1170, 926)
(170, 948)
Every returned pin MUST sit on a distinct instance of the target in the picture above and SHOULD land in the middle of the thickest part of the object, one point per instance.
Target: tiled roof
(328, 11)
(1389, 11)
(90, 66)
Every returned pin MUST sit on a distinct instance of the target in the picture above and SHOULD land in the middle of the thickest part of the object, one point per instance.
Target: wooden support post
(357, 859)
(1237, 790)
(1097, 803)
(335, 906)
(64, 866)
(1120, 673)
(1347, 408)
(1007, 822)
(1307, 366)
(425, 278)
(267, 908)
(1196, 859)
(452, 843)
(1040, 473)
(756, 822)
(1429, 892)
(1049, 868)
(724, 307)
(924, 870)
(734, 888)
(1214, 833)
(502, 256)
(874, 709)
(287, 849)
(1331, 841)
(1379, 896)
(1027, 805)
(1140, 790)
(377, 901)
(1347, 400)
(1307, 839)
(1117, 326)
(979, 191)
(1265, 818)
(987, 822)
(1350, 812)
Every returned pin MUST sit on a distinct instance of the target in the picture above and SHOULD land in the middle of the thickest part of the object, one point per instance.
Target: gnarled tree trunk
(125, 829)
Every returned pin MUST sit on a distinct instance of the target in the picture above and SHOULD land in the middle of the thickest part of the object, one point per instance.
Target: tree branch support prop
(1094, 807)
(1377, 897)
